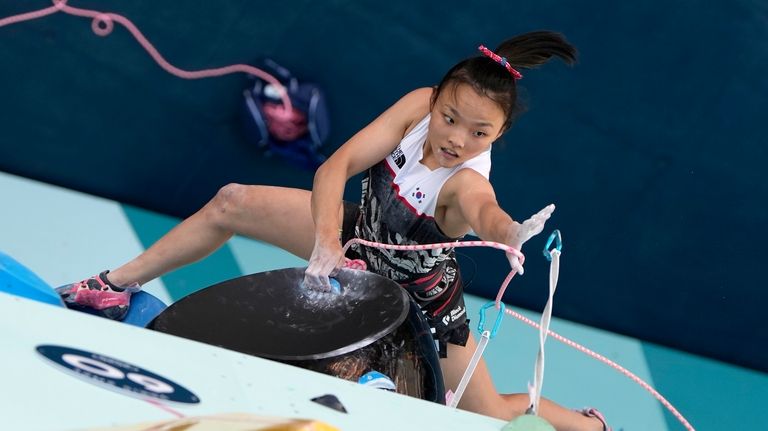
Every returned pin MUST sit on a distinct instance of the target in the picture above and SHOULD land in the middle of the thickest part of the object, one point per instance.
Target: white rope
(534, 390)
(454, 401)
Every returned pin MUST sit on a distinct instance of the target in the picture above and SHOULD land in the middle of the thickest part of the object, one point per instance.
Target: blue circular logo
(117, 375)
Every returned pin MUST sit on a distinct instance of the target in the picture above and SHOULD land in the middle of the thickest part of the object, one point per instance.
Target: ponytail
(531, 50)
(494, 76)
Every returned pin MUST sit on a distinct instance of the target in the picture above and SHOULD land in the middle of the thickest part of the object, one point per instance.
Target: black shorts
(447, 315)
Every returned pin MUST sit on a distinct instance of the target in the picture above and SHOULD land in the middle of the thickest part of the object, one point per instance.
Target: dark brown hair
(491, 79)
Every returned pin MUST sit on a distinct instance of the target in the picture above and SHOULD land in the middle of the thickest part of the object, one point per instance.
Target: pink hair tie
(501, 60)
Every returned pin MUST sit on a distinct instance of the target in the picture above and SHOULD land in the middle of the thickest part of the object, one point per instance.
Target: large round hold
(369, 324)
(273, 315)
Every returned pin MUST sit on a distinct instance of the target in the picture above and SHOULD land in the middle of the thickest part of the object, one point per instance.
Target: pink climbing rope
(524, 319)
(164, 407)
(103, 23)
(610, 363)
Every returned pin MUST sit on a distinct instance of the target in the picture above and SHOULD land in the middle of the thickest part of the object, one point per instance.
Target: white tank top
(418, 185)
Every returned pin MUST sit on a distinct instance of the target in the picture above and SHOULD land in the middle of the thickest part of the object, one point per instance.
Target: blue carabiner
(480, 326)
(559, 244)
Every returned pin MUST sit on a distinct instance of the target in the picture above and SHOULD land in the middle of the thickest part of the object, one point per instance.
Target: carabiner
(480, 326)
(558, 244)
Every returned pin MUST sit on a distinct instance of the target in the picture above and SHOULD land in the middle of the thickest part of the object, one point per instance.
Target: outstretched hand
(527, 230)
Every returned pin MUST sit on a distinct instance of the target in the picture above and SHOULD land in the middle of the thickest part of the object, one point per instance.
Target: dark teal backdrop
(652, 147)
